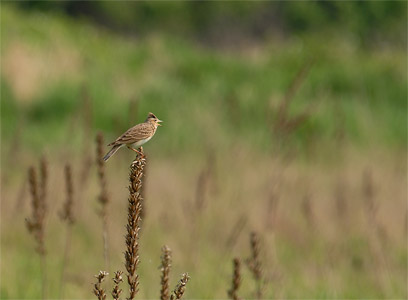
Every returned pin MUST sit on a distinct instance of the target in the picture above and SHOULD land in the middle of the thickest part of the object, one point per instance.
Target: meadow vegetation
(280, 170)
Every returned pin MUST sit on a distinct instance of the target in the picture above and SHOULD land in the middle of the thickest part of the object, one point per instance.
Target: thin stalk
(103, 197)
(44, 276)
(65, 260)
(105, 240)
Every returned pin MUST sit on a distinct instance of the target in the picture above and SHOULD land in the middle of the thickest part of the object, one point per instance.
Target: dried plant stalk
(236, 280)
(201, 188)
(35, 225)
(117, 280)
(236, 231)
(67, 215)
(43, 179)
(284, 124)
(165, 269)
(67, 212)
(379, 237)
(368, 191)
(254, 263)
(308, 211)
(180, 288)
(203, 183)
(143, 190)
(103, 196)
(133, 225)
(98, 290)
(341, 202)
(271, 210)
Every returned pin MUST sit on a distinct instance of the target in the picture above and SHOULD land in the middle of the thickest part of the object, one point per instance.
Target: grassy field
(301, 141)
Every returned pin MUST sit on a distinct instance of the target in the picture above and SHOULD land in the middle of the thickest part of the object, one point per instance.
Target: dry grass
(165, 276)
(143, 191)
(284, 124)
(36, 224)
(103, 196)
(67, 215)
(43, 179)
(180, 288)
(117, 280)
(133, 224)
(98, 290)
(255, 265)
(302, 262)
(135, 203)
(236, 280)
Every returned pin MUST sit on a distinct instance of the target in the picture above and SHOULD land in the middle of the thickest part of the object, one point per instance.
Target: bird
(135, 136)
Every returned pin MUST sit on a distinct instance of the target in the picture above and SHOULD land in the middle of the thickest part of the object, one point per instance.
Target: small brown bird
(135, 136)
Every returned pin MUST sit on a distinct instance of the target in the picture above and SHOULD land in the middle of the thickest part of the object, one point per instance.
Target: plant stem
(44, 276)
(65, 260)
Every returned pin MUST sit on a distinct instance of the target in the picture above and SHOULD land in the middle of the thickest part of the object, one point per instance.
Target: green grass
(223, 95)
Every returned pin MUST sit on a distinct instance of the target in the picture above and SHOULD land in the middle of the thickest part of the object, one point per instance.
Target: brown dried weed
(236, 280)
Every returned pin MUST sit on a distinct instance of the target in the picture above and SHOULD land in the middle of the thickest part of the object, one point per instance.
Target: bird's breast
(141, 142)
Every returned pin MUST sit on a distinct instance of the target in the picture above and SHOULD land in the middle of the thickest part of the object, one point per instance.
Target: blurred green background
(216, 66)
(304, 86)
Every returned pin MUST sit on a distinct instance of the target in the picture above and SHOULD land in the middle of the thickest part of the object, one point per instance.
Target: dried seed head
(103, 197)
(98, 290)
(117, 280)
(236, 280)
(67, 213)
(254, 263)
(133, 225)
(35, 224)
(181, 287)
(165, 269)
(101, 275)
(44, 179)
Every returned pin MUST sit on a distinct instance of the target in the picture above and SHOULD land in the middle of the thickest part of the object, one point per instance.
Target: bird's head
(153, 119)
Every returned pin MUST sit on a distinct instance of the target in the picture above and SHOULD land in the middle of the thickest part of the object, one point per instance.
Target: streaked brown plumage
(135, 136)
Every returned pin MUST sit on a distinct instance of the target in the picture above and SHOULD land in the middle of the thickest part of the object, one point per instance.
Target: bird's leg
(137, 151)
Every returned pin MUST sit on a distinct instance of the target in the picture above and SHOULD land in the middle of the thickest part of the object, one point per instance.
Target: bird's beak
(158, 122)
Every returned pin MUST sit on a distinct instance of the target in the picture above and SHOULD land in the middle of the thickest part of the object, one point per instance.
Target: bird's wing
(136, 133)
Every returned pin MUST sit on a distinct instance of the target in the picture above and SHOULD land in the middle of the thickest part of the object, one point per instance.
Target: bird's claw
(137, 151)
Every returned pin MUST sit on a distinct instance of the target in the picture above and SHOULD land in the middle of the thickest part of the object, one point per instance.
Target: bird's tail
(111, 152)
